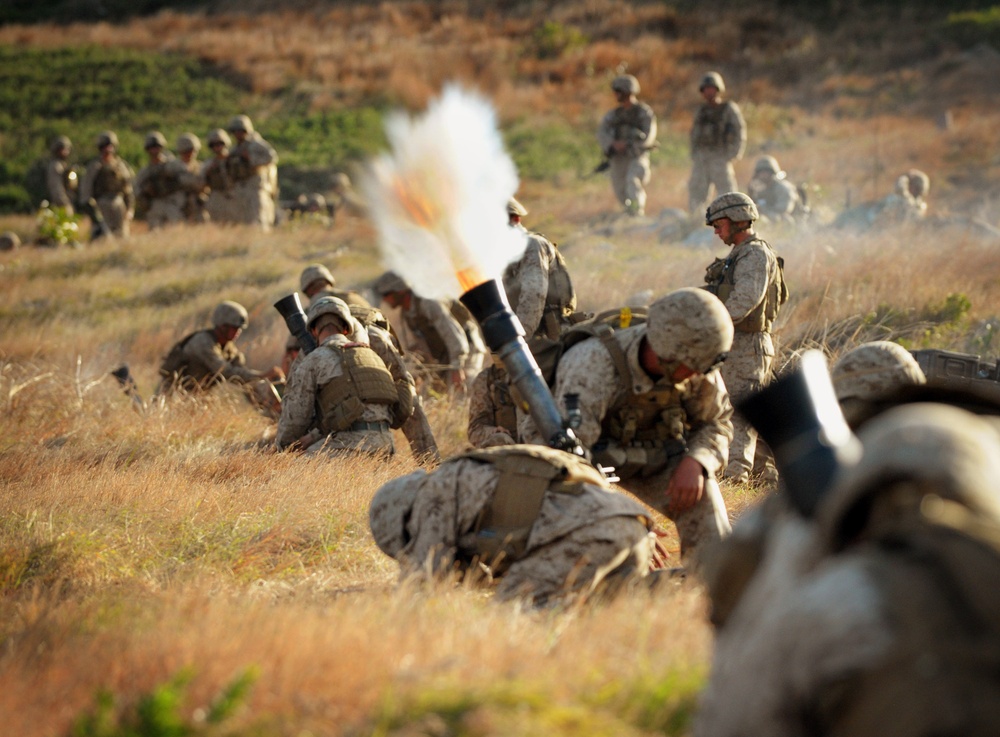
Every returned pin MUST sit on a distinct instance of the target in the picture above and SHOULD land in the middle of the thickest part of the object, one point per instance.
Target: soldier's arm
(750, 273)
(649, 127)
(58, 196)
(710, 414)
(482, 432)
(297, 406)
(260, 153)
(588, 371)
(203, 349)
(606, 132)
(534, 278)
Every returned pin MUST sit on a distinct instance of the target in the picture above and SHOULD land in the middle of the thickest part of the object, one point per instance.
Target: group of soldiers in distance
(874, 608)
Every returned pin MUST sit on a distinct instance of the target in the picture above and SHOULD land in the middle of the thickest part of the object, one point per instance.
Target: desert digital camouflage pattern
(539, 289)
(634, 125)
(718, 137)
(492, 414)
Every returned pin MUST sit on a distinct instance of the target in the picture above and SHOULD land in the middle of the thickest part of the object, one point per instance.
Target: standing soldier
(543, 521)
(60, 178)
(221, 202)
(538, 286)
(718, 137)
(253, 168)
(107, 191)
(159, 198)
(341, 397)
(627, 134)
(316, 281)
(749, 282)
(444, 340)
(653, 406)
(188, 146)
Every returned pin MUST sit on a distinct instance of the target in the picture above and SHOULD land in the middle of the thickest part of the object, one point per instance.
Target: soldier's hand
(275, 374)
(687, 484)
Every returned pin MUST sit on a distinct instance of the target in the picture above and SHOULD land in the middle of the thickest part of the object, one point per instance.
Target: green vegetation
(972, 27)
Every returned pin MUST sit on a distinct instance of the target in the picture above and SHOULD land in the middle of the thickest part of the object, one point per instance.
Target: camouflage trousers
(253, 204)
(116, 216)
(166, 210)
(708, 169)
(746, 370)
(419, 435)
(221, 207)
(599, 557)
(629, 177)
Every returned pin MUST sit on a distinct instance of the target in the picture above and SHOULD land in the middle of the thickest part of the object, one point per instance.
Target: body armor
(627, 125)
(216, 177)
(365, 380)
(110, 180)
(710, 131)
(719, 280)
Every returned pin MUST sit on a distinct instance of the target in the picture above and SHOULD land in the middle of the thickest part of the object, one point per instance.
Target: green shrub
(973, 27)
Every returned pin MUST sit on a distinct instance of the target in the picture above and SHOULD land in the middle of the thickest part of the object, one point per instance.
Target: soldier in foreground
(340, 397)
(316, 281)
(750, 284)
(653, 406)
(776, 198)
(543, 521)
(252, 166)
(538, 286)
(206, 358)
(60, 179)
(106, 190)
(718, 137)
(626, 136)
(879, 615)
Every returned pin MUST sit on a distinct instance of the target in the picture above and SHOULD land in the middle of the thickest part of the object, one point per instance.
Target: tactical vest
(178, 369)
(365, 380)
(527, 472)
(238, 168)
(109, 180)
(176, 362)
(710, 130)
(215, 176)
(627, 125)
(160, 182)
(941, 674)
(720, 280)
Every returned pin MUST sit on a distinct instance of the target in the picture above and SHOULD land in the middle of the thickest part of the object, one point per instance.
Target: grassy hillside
(166, 573)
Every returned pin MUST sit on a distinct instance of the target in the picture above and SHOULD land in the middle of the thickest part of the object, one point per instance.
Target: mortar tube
(290, 308)
(504, 336)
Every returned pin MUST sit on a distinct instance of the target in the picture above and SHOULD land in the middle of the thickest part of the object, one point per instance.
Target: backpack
(548, 352)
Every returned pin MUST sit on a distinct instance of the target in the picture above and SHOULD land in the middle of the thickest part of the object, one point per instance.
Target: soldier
(159, 197)
(107, 191)
(718, 137)
(626, 136)
(252, 166)
(750, 284)
(341, 397)
(189, 175)
(918, 185)
(900, 206)
(880, 616)
(543, 520)
(538, 286)
(492, 413)
(870, 372)
(9, 241)
(776, 198)
(317, 282)
(343, 197)
(60, 178)
(221, 204)
(653, 407)
(416, 428)
(207, 358)
(444, 340)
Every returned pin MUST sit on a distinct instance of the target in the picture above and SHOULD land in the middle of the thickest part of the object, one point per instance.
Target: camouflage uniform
(718, 137)
(317, 282)
(109, 184)
(777, 199)
(159, 188)
(538, 286)
(879, 616)
(188, 172)
(432, 322)
(635, 124)
(310, 375)
(492, 414)
(205, 364)
(221, 203)
(60, 178)
(579, 536)
(252, 166)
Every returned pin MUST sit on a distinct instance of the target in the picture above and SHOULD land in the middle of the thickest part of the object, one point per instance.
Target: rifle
(800, 419)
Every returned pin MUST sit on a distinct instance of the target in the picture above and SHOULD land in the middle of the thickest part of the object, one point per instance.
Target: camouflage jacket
(108, 180)
(538, 284)
(635, 125)
(719, 129)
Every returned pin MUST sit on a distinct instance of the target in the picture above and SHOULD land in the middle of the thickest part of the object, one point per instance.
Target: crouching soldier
(209, 357)
(543, 521)
(340, 397)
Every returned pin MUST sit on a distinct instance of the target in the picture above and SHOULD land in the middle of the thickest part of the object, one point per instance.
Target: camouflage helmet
(691, 326)
(388, 283)
(154, 138)
(9, 241)
(219, 136)
(333, 306)
(736, 206)
(712, 79)
(316, 201)
(340, 182)
(950, 453)
(390, 510)
(107, 138)
(60, 142)
(231, 314)
(625, 83)
(768, 164)
(292, 343)
(919, 183)
(315, 272)
(240, 123)
(188, 142)
(873, 369)
(516, 208)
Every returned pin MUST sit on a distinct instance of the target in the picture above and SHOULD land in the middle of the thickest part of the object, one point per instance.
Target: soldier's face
(725, 230)
(710, 93)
